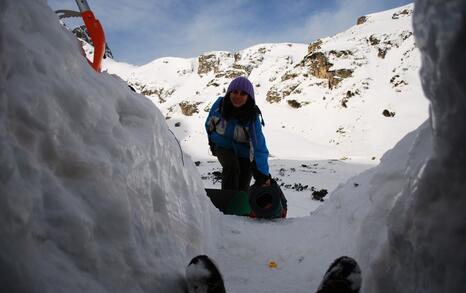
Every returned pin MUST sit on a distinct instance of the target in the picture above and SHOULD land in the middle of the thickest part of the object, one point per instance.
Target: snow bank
(414, 241)
(425, 249)
(95, 195)
(353, 221)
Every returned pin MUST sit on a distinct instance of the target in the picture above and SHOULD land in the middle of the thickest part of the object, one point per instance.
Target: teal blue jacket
(245, 140)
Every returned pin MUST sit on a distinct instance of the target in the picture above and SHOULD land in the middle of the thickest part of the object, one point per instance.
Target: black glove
(258, 176)
(261, 178)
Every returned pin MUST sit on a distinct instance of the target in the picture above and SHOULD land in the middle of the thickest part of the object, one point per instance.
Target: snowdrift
(95, 194)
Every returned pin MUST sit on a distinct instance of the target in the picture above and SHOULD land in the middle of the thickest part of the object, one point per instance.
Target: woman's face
(238, 98)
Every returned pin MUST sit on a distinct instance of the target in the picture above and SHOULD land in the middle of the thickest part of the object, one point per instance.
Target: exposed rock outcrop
(314, 46)
(161, 93)
(237, 70)
(361, 20)
(373, 40)
(214, 82)
(388, 113)
(382, 53)
(343, 73)
(188, 109)
(289, 89)
(319, 66)
(294, 104)
(289, 75)
(208, 63)
(273, 96)
(396, 81)
(402, 13)
(342, 53)
(347, 97)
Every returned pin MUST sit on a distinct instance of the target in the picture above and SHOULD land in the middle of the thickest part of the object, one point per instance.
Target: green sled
(230, 202)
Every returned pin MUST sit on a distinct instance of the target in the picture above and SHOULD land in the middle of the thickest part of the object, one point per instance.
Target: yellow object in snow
(273, 265)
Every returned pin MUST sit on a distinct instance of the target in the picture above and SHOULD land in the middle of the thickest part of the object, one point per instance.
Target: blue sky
(139, 31)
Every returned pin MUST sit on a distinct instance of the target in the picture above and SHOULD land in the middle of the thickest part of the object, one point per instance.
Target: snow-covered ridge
(352, 95)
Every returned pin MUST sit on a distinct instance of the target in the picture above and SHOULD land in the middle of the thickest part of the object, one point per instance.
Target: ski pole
(96, 32)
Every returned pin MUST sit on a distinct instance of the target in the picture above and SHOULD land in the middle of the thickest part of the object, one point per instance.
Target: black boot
(203, 276)
(343, 276)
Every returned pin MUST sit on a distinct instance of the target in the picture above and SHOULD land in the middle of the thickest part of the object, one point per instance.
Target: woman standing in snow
(236, 139)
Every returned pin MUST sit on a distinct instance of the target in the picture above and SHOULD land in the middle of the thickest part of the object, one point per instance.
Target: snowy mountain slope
(352, 95)
(348, 97)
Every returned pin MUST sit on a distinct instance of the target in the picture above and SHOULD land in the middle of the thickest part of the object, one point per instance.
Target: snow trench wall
(94, 194)
(427, 228)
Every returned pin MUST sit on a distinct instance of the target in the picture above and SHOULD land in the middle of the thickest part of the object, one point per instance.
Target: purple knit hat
(242, 84)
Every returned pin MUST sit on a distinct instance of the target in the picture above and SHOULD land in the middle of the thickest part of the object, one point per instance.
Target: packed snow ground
(352, 222)
(298, 180)
(95, 196)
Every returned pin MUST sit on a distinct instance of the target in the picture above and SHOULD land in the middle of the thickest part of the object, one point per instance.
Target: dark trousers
(236, 173)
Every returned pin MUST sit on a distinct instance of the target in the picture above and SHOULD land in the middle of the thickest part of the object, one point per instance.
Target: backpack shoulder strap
(258, 111)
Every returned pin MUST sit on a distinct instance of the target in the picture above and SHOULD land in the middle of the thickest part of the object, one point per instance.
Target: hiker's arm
(261, 155)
